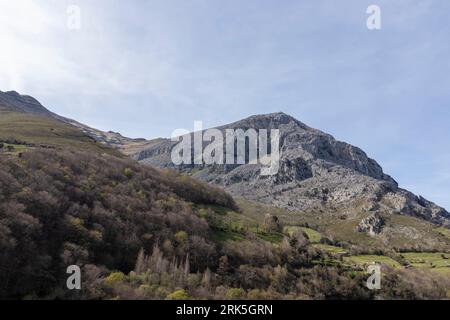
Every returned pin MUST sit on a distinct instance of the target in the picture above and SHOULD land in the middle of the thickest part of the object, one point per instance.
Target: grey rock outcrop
(316, 171)
(272, 223)
(371, 225)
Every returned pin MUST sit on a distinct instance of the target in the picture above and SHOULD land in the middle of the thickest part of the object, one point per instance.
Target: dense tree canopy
(59, 208)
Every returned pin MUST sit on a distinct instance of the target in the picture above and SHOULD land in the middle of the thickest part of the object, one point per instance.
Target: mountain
(316, 171)
(69, 197)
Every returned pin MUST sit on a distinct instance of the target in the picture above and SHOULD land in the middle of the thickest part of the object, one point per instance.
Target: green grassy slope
(35, 131)
(351, 249)
(233, 227)
(405, 232)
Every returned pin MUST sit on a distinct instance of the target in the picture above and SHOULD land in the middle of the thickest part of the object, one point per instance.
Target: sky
(145, 68)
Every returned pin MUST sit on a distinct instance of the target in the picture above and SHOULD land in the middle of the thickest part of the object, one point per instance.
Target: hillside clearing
(364, 260)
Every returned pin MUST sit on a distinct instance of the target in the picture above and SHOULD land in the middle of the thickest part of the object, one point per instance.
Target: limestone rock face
(316, 171)
(372, 225)
(271, 223)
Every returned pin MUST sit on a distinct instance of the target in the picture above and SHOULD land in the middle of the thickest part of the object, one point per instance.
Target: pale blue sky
(145, 68)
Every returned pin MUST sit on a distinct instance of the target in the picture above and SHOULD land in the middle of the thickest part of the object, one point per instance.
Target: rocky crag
(316, 171)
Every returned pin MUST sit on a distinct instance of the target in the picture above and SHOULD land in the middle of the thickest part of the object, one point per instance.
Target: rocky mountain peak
(277, 120)
(315, 171)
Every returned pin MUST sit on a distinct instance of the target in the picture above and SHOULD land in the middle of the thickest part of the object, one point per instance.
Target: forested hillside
(139, 233)
(59, 208)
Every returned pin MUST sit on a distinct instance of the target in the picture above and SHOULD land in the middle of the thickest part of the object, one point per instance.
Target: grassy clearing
(290, 230)
(340, 225)
(345, 230)
(313, 235)
(428, 259)
(12, 149)
(426, 236)
(444, 271)
(217, 209)
(330, 248)
(363, 260)
(444, 231)
(232, 225)
(256, 212)
(270, 237)
(326, 220)
(225, 235)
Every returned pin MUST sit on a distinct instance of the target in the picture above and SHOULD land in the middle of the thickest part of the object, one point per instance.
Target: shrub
(181, 236)
(114, 278)
(178, 295)
(235, 293)
(128, 173)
